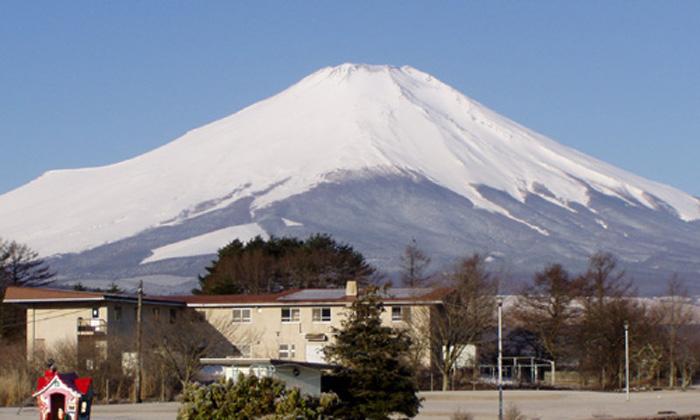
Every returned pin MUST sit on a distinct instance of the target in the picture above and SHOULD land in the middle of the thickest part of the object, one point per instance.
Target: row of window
(286, 315)
(285, 351)
(241, 315)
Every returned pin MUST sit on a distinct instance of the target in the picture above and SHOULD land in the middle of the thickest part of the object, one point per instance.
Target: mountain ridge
(333, 127)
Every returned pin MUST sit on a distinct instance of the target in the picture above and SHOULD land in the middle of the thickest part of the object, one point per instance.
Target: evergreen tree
(79, 287)
(267, 266)
(374, 380)
(114, 288)
(21, 266)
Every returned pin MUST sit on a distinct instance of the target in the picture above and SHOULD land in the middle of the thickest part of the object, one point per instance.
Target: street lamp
(627, 360)
(499, 300)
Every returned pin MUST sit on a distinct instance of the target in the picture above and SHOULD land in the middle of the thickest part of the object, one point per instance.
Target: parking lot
(483, 405)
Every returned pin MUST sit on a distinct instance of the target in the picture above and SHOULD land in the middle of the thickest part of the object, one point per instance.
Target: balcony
(92, 326)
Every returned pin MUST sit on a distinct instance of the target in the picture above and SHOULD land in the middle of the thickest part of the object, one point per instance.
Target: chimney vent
(351, 288)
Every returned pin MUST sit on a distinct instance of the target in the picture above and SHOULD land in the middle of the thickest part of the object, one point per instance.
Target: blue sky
(86, 83)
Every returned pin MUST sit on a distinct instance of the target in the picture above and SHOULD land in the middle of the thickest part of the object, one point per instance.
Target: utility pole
(139, 359)
(500, 357)
(627, 360)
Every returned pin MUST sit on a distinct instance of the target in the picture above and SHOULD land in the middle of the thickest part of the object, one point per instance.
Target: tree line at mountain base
(576, 321)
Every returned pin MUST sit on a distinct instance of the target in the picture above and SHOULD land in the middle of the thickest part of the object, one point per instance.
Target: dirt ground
(483, 405)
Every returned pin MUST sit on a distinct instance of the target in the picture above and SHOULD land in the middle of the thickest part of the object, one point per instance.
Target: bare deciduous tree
(414, 262)
(607, 305)
(676, 315)
(547, 308)
(181, 345)
(465, 315)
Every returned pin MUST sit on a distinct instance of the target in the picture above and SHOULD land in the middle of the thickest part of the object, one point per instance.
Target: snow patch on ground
(209, 243)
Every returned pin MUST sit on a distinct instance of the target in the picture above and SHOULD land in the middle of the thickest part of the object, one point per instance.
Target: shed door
(58, 401)
(314, 353)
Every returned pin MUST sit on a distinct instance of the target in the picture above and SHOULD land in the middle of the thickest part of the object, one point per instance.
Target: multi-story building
(91, 322)
(292, 325)
(297, 324)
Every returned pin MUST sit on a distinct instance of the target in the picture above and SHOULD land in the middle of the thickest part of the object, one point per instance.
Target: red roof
(16, 294)
(70, 380)
(29, 293)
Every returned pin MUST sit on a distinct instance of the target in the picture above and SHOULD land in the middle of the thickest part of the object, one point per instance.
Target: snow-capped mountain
(374, 155)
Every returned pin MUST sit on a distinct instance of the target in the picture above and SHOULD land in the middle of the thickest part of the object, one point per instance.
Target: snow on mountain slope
(345, 119)
(206, 244)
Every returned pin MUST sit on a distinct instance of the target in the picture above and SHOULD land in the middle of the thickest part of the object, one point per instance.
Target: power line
(44, 319)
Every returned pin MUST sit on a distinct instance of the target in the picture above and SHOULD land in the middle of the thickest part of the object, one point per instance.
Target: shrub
(461, 416)
(514, 413)
(250, 397)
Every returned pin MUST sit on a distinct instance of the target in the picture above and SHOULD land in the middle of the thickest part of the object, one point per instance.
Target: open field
(543, 405)
(559, 405)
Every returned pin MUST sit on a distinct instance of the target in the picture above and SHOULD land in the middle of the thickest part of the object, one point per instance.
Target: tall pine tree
(373, 380)
(275, 264)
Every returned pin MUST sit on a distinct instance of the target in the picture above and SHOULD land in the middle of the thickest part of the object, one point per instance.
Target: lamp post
(627, 361)
(499, 300)
(139, 358)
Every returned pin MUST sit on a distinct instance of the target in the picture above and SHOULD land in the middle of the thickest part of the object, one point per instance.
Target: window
(286, 351)
(156, 314)
(321, 315)
(241, 315)
(290, 314)
(173, 316)
(400, 313)
(117, 313)
(95, 312)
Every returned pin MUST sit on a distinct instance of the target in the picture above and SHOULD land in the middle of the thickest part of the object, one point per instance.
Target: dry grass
(459, 415)
(514, 413)
(16, 383)
(15, 387)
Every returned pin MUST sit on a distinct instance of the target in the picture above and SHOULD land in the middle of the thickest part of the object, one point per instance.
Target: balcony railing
(92, 326)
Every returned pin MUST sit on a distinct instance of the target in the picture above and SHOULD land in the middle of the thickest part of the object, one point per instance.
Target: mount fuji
(373, 155)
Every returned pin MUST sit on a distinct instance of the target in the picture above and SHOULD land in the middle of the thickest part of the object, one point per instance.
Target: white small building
(295, 374)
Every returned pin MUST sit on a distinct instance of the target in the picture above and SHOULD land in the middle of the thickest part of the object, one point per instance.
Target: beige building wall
(265, 332)
(52, 324)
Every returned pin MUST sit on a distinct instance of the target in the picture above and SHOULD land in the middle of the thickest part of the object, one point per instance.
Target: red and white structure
(63, 396)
